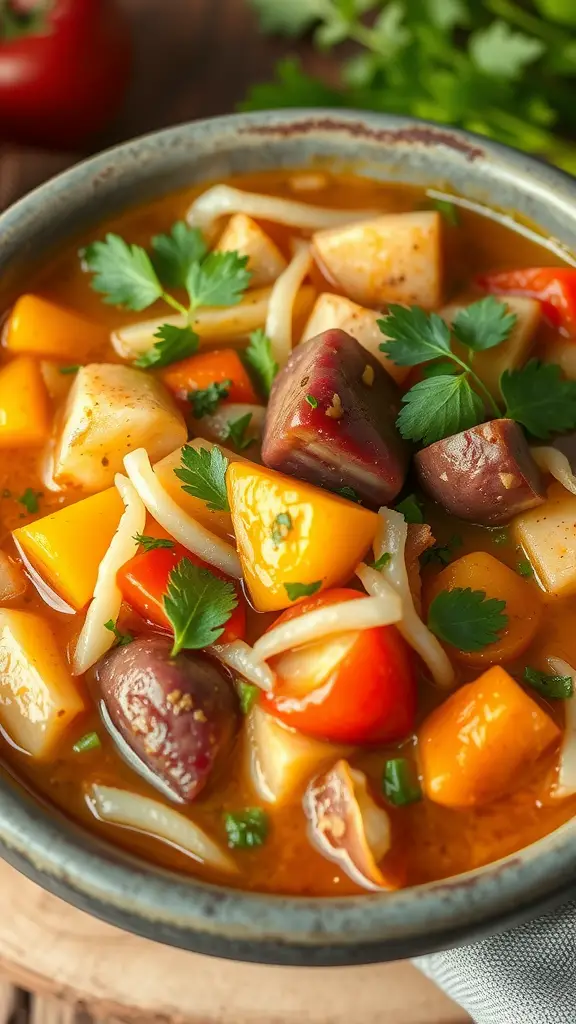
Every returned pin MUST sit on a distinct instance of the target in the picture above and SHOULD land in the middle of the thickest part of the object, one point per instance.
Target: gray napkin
(524, 976)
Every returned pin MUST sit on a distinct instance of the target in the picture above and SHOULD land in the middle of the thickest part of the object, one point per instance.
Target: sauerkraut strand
(550, 460)
(241, 658)
(280, 309)
(566, 784)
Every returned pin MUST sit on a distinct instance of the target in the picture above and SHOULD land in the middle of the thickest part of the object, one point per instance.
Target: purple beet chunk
(485, 474)
(347, 437)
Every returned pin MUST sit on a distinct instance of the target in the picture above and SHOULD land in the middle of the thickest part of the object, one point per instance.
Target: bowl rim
(116, 887)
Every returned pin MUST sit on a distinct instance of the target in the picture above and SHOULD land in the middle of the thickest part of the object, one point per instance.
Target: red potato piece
(485, 474)
(347, 437)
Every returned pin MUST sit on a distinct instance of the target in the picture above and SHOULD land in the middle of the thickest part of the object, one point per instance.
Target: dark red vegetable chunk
(485, 474)
(567, 445)
(179, 715)
(331, 420)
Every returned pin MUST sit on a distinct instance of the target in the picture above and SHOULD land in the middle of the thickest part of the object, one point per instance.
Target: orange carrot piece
(24, 413)
(476, 744)
(39, 327)
(215, 366)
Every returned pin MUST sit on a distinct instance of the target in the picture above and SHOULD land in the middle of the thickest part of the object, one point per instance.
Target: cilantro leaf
(237, 432)
(411, 509)
(312, 401)
(203, 474)
(247, 828)
(438, 407)
(499, 51)
(123, 273)
(415, 336)
(296, 590)
(537, 397)
(152, 543)
(524, 568)
(552, 686)
(400, 783)
(259, 357)
(172, 254)
(219, 280)
(122, 639)
(381, 562)
(204, 401)
(484, 324)
(440, 368)
(247, 695)
(175, 343)
(30, 500)
(467, 619)
(441, 554)
(198, 605)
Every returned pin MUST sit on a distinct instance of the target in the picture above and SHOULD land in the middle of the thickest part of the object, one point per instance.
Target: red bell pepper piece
(212, 367)
(351, 688)
(143, 582)
(554, 287)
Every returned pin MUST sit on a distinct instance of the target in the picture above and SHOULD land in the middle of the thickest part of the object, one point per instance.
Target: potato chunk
(38, 698)
(393, 258)
(548, 536)
(244, 235)
(110, 411)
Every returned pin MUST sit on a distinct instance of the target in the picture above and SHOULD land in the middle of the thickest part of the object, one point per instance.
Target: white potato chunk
(244, 235)
(336, 311)
(563, 354)
(394, 258)
(548, 536)
(513, 352)
(110, 411)
(38, 698)
(12, 578)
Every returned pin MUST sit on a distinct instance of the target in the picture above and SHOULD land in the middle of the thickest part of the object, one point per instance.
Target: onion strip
(240, 657)
(181, 526)
(566, 784)
(344, 617)
(141, 813)
(95, 639)
(552, 461)
(280, 309)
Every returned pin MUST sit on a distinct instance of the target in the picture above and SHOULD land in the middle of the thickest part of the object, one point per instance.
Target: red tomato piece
(357, 687)
(143, 582)
(212, 367)
(554, 287)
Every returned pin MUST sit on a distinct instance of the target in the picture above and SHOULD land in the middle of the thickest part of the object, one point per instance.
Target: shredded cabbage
(566, 784)
(241, 658)
(280, 309)
(550, 460)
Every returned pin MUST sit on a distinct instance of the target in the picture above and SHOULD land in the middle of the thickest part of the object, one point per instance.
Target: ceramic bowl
(153, 902)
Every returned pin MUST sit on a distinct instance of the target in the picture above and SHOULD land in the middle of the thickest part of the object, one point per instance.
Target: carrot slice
(212, 367)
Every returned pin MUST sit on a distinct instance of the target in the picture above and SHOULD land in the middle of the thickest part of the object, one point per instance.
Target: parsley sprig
(205, 401)
(467, 619)
(258, 355)
(198, 605)
(203, 475)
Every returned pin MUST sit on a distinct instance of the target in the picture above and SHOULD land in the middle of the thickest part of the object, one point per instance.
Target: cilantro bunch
(502, 68)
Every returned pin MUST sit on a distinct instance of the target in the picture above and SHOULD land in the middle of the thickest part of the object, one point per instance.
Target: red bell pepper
(352, 688)
(64, 69)
(143, 582)
(212, 367)
(554, 287)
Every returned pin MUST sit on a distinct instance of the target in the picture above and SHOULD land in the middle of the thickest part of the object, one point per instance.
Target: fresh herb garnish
(296, 590)
(448, 210)
(381, 562)
(246, 829)
(539, 398)
(124, 274)
(312, 401)
(121, 638)
(220, 279)
(555, 687)
(30, 500)
(174, 344)
(441, 554)
(205, 401)
(198, 605)
(69, 369)
(411, 509)
(203, 475)
(247, 695)
(259, 357)
(400, 783)
(524, 568)
(91, 741)
(350, 493)
(173, 254)
(467, 619)
(237, 432)
(281, 528)
(152, 543)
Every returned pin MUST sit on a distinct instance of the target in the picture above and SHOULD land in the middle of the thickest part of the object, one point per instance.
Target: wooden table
(194, 58)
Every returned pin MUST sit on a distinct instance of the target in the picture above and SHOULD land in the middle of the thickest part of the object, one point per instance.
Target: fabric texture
(524, 976)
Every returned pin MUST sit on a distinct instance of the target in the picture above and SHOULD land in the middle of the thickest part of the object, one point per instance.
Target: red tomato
(143, 582)
(355, 688)
(64, 68)
(554, 287)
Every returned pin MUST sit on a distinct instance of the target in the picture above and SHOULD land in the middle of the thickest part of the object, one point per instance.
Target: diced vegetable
(352, 687)
(200, 371)
(243, 235)
(24, 415)
(476, 746)
(12, 579)
(548, 536)
(395, 258)
(237, 425)
(347, 437)
(57, 544)
(38, 698)
(485, 474)
(219, 522)
(553, 287)
(327, 538)
(481, 572)
(39, 327)
(110, 411)
(331, 311)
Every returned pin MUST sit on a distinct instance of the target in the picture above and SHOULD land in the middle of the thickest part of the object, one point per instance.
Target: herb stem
(479, 385)
(171, 301)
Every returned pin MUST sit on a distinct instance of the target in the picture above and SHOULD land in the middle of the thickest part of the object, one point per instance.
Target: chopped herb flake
(400, 783)
(91, 741)
(246, 829)
(296, 590)
(554, 687)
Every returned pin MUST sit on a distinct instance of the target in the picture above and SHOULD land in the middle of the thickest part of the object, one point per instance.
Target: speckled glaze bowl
(153, 902)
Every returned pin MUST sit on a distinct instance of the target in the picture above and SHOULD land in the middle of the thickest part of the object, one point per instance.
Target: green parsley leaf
(246, 829)
(198, 605)
(381, 562)
(30, 500)
(400, 783)
(350, 494)
(312, 401)
(91, 741)
(237, 432)
(467, 619)
(219, 280)
(152, 543)
(121, 638)
(411, 509)
(448, 210)
(537, 397)
(499, 51)
(441, 554)
(289, 19)
(281, 528)
(248, 695)
(123, 273)
(69, 369)
(414, 336)
(484, 324)
(175, 343)
(296, 590)
(205, 401)
(439, 368)
(524, 568)
(554, 687)
(291, 87)
(438, 407)
(173, 254)
(203, 475)
(259, 357)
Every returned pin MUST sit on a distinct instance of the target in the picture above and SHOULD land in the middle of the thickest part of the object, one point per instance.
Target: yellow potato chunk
(38, 697)
(111, 410)
(67, 546)
(548, 536)
(393, 258)
(24, 415)
(41, 327)
(245, 236)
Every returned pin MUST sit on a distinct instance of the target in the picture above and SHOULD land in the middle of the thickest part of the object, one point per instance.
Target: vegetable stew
(288, 547)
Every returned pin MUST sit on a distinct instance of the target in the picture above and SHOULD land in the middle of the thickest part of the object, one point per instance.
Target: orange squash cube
(24, 413)
(39, 327)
